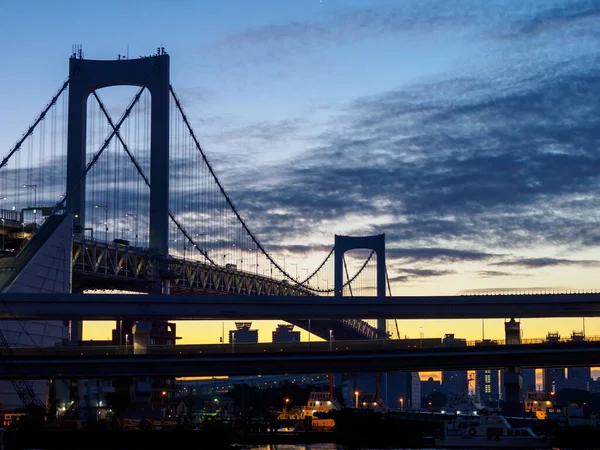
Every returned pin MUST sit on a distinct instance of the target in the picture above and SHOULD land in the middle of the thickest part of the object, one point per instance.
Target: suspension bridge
(148, 211)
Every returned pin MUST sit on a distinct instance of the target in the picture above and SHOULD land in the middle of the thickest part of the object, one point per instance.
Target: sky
(467, 131)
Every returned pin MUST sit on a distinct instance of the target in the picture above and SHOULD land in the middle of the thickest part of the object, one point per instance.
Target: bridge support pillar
(513, 379)
(377, 244)
(141, 337)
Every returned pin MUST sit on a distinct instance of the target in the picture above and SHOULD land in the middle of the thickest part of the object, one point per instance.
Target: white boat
(486, 432)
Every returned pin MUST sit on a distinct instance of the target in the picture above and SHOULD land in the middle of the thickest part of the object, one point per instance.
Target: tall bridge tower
(86, 76)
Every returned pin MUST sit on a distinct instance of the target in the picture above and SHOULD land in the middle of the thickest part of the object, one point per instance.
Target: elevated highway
(294, 308)
(58, 365)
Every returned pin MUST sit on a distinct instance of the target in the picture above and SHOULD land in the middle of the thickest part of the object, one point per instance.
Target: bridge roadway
(318, 359)
(236, 306)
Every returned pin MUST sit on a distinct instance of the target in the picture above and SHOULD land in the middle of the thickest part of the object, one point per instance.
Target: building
(578, 377)
(162, 393)
(529, 384)
(243, 334)
(487, 387)
(537, 403)
(205, 404)
(487, 383)
(455, 382)
(553, 379)
(430, 386)
(285, 333)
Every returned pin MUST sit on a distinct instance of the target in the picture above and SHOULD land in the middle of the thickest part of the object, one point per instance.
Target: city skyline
(466, 133)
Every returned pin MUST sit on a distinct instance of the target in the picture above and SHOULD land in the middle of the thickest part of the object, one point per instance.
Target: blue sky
(467, 131)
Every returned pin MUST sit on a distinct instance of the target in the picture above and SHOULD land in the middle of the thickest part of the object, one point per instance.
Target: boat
(486, 432)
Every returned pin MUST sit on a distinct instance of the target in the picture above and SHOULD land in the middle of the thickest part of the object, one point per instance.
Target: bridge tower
(85, 76)
(375, 243)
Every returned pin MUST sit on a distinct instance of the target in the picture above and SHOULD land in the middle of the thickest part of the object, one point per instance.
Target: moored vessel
(488, 432)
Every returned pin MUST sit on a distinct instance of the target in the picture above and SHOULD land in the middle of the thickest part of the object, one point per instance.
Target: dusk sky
(467, 131)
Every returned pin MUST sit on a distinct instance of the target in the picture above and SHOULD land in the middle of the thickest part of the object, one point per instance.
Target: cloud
(444, 255)
(537, 263)
(406, 275)
(570, 14)
(497, 273)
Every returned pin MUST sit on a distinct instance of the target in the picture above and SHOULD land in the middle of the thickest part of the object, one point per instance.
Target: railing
(295, 347)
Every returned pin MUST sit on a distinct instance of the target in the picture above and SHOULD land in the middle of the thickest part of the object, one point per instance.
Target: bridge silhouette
(90, 203)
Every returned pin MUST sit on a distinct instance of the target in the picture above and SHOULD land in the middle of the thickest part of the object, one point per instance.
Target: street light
(356, 398)
(34, 187)
(421, 337)
(401, 404)
(105, 207)
(126, 342)
(330, 338)
(233, 342)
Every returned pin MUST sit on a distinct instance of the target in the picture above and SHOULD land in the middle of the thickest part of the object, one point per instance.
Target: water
(303, 447)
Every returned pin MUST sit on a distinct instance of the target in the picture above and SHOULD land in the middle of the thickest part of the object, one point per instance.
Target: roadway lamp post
(233, 342)
(135, 226)
(296, 265)
(306, 279)
(330, 339)
(126, 342)
(105, 207)
(34, 187)
(401, 404)
(356, 399)
(2, 236)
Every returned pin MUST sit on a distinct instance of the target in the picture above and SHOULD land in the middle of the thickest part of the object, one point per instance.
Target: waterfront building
(578, 377)
(455, 382)
(243, 334)
(285, 333)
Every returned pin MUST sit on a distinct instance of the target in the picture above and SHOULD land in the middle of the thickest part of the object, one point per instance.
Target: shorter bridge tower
(375, 243)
